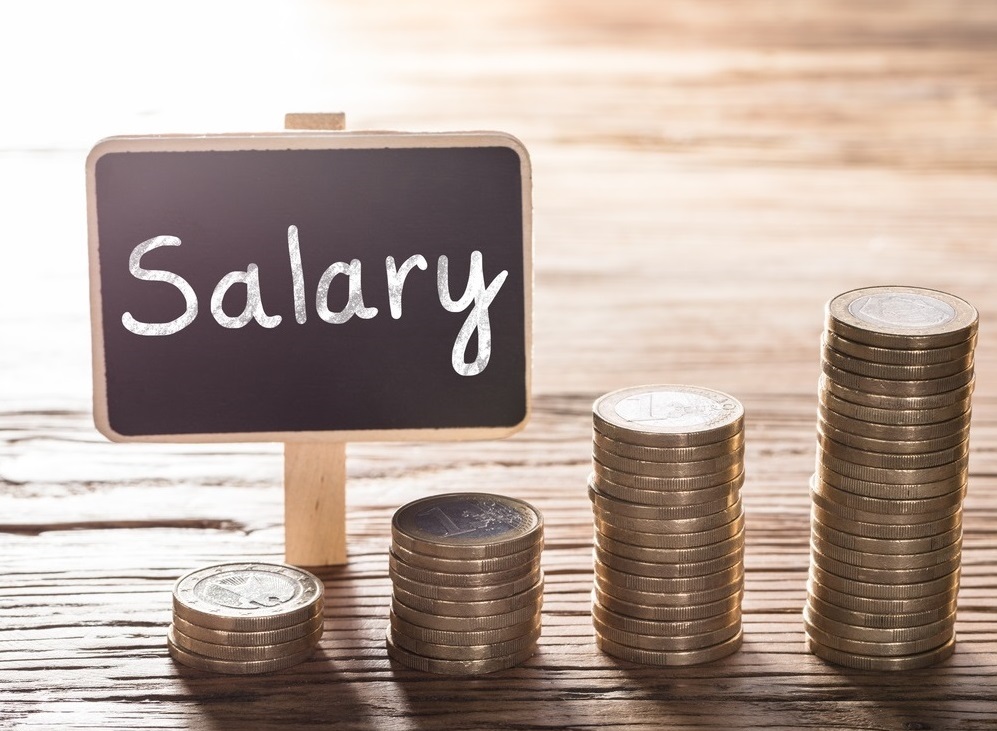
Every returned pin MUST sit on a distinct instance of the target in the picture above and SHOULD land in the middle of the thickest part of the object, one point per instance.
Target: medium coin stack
(245, 618)
(892, 450)
(467, 586)
(668, 465)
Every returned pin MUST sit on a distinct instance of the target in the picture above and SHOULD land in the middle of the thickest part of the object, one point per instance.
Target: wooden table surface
(707, 174)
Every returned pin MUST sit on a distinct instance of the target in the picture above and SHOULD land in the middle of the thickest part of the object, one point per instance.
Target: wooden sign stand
(216, 213)
(315, 472)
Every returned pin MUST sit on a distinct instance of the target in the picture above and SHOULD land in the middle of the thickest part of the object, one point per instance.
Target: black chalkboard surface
(302, 286)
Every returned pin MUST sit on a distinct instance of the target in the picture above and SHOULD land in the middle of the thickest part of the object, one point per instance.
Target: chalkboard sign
(304, 286)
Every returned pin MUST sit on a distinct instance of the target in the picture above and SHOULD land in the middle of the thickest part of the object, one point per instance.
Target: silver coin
(467, 525)
(668, 415)
(901, 317)
(247, 596)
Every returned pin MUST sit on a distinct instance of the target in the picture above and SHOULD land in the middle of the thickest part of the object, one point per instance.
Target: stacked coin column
(893, 443)
(245, 618)
(467, 586)
(668, 465)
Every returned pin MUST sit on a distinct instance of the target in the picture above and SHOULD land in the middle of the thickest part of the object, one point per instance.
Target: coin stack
(467, 586)
(892, 449)
(245, 618)
(668, 465)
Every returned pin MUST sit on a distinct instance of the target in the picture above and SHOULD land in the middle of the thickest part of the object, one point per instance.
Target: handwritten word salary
(476, 296)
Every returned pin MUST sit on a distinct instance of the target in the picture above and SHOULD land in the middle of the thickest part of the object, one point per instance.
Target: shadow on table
(314, 693)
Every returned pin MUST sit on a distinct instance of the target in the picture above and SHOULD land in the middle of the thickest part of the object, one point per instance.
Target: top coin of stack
(467, 586)
(892, 449)
(668, 465)
(245, 618)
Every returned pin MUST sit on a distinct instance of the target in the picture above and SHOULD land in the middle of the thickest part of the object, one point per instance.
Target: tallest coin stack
(893, 443)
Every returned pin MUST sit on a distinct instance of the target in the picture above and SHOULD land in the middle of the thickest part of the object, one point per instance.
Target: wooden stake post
(315, 473)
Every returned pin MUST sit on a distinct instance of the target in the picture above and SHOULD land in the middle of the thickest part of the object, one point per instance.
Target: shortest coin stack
(668, 464)
(467, 586)
(245, 618)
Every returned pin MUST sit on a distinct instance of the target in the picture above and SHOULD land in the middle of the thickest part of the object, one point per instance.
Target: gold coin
(893, 372)
(892, 446)
(671, 555)
(883, 531)
(868, 516)
(885, 546)
(452, 637)
(659, 628)
(676, 658)
(900, 606)
(248, 597)
(670, 599)
(883, 621)
(655, 584)
(668, 416)
(456, 667)
(941, 504)
(881, 649)
(918, 567)
(891, 561)
(889, 401)
(467, 565)
(466, 652)
(863, 662)
(666, 643)
(623, 508)
(465, 593)
(884, 491)
(704, 522)
(528, 570)
(666, 498)
(244, 653)
(896, 388)
(234, 667)
(878, 634)
(672, 540)
(661, 613)
(468, 608)
(467, 525)
(442, 622)
(669, 570)
(900, 417)
(914, 590)
(892, 461)
(884, 576)
(909, 432)
(900, 356)
(892, 476)
(901, 317)
(644, 482)
(680, 471)
(668, 454)
(248, 639)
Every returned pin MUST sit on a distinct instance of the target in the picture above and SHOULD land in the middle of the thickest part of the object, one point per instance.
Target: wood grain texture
(706, 174)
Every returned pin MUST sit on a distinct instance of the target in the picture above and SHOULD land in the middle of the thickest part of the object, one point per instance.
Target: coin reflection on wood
(668, 465)
(245, 618)
(891, 474)
(467, 587)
